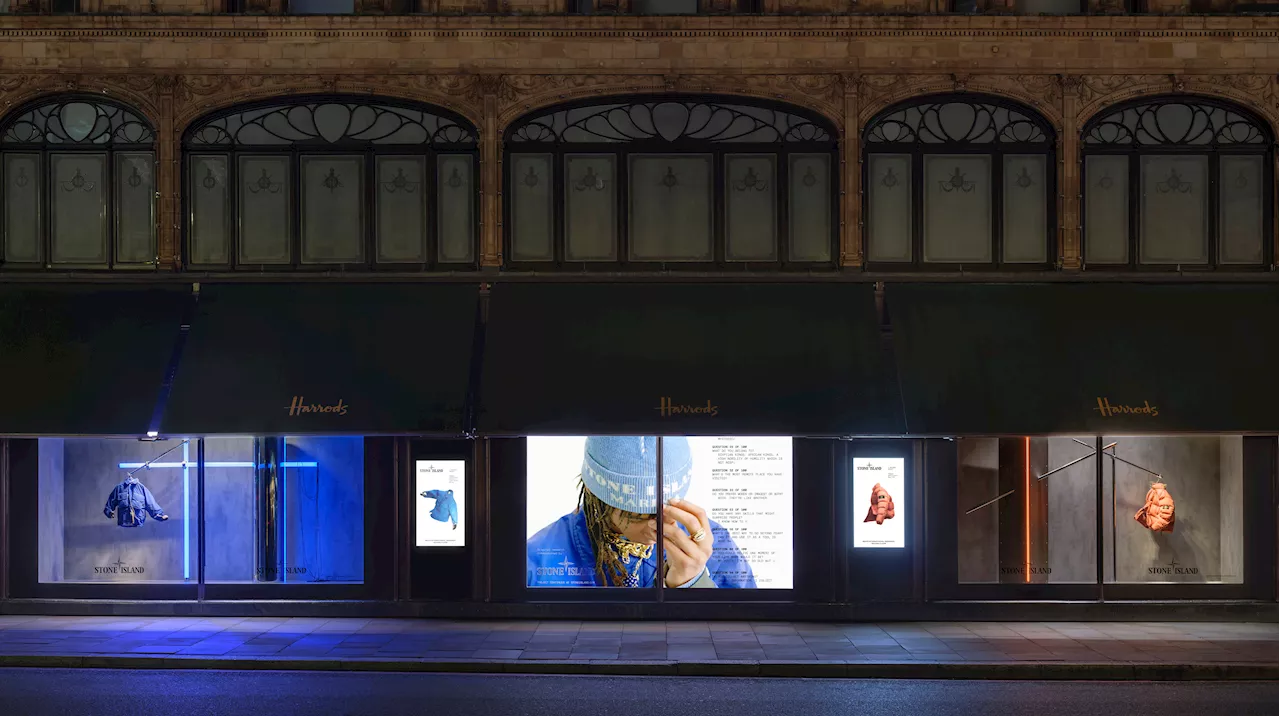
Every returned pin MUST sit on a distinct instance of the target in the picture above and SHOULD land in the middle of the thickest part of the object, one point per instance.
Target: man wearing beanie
(608, 541)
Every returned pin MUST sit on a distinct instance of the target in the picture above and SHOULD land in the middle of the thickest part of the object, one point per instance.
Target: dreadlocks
(604, 535)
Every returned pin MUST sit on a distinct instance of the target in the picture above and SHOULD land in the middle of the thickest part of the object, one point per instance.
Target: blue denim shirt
(561, 555)
(132, 502)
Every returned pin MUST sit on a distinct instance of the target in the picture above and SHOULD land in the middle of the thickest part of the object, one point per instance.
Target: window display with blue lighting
(276, 510)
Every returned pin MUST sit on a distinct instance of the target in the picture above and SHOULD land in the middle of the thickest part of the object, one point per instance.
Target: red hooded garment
(1157, 514)
(881, 505)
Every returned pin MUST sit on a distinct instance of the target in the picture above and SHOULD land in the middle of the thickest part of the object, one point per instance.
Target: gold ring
(699, 536)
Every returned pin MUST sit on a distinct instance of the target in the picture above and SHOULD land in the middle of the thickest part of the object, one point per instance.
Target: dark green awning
(84, 360)
(1086, 358)
(726, 359)
(326, 358)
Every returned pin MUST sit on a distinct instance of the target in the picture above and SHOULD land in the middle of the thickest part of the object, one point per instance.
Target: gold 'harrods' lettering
(1108, 410)
(667, 408)
(299, 406)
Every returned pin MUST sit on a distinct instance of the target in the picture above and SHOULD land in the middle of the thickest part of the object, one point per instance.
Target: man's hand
(686, 557)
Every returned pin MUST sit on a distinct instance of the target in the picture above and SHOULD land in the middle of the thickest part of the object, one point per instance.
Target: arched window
(318, 183)
(1177, 182)
(78, 186)
(959, 181)
(671, 182)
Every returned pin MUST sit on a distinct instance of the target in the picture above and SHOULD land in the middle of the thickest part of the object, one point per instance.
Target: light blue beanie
(622, 471)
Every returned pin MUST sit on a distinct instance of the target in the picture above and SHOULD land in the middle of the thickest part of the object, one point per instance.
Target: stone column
(851, 234)
(1069, 176)
(490, 179)
(168, 179)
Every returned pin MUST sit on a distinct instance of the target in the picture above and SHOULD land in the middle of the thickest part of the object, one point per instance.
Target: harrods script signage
(1107, 410)
(300, 406)
(668, 408)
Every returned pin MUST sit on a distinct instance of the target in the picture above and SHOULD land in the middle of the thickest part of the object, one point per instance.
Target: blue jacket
(132, 502)
(560, 555)
(446, 507)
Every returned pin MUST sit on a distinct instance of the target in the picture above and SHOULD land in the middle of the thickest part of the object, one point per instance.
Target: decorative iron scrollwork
(671, 120)
(69, 122)
(332, 122)
(934, 122)
(1174, 122)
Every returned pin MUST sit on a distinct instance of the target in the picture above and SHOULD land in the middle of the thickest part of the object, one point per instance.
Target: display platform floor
(1080, 650)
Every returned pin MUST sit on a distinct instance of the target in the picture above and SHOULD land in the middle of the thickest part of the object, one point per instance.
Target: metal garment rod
(147, 464)
(1092, 452)
(990, 502)
(1117, 457)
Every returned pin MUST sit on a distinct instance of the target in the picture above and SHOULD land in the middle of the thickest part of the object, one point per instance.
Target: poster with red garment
(879, 486)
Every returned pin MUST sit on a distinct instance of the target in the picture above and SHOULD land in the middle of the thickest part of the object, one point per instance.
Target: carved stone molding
(141, 92)
(1256, 92)
(196, 95)
(1040, 92)
(524, 93)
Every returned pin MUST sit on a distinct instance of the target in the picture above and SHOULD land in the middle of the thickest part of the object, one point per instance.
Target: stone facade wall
(494, 69)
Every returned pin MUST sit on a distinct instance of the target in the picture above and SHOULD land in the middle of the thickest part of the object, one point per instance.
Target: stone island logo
(119, 567)
(1022, 570)
(667, 408)
(562, 569)
(1108, 410)
(268, 574)
(300, 406)
(1173, 569)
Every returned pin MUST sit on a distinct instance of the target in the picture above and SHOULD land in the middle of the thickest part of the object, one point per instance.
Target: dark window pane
(456, 212)
(333, 209)
(265, 225)
(1106, 210)
(590, 195)
(751, 205)
(1175, 210)
(209, 198)
(810, 208)
(670, 208)
(135, 208)
(1241, 230)
(889, 220)
(957, 209)
(1026, 209)
(531, 207)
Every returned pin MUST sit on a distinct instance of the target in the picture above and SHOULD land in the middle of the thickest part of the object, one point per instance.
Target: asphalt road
(76, 692)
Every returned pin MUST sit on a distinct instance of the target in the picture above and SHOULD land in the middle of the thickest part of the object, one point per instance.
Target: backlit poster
(878, 488)
(440, 496)
(592, 506)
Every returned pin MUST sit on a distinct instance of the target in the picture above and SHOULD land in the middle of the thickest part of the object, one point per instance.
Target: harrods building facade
(343, 306)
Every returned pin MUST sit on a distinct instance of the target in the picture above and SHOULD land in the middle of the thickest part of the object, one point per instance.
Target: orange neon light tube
(1026, 496)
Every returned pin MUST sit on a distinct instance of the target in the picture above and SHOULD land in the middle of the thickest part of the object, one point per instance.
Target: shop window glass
(590, 196)
(1240, 197)
(456, 208)
(666, 7)
(671, 208)
(105, 518)
(22, 208)
(1027, 510)
(751, 207)
(402, 209)
(1175, 210)
(79, 208)
(332, 209)
(1106, 206)
(322, 7)
(1025, 210)
(810, 194)
(135, 199)
(1050, 7)
(1175, 509)
(591, 503)
(957, 209)
(889, 223)
(264, 210)
(531, 208)
(284, 510)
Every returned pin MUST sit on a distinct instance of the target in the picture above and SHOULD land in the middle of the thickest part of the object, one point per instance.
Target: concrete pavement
(1022, 650)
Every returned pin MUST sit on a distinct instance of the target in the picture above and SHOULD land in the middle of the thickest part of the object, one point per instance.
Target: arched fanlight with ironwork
(671, 181)
(78, 186)
(1177, 182)
(319, 181)
(958, 181)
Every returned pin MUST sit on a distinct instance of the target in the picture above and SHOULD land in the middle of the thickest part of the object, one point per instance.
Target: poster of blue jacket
(441, 503)
(592, 517)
